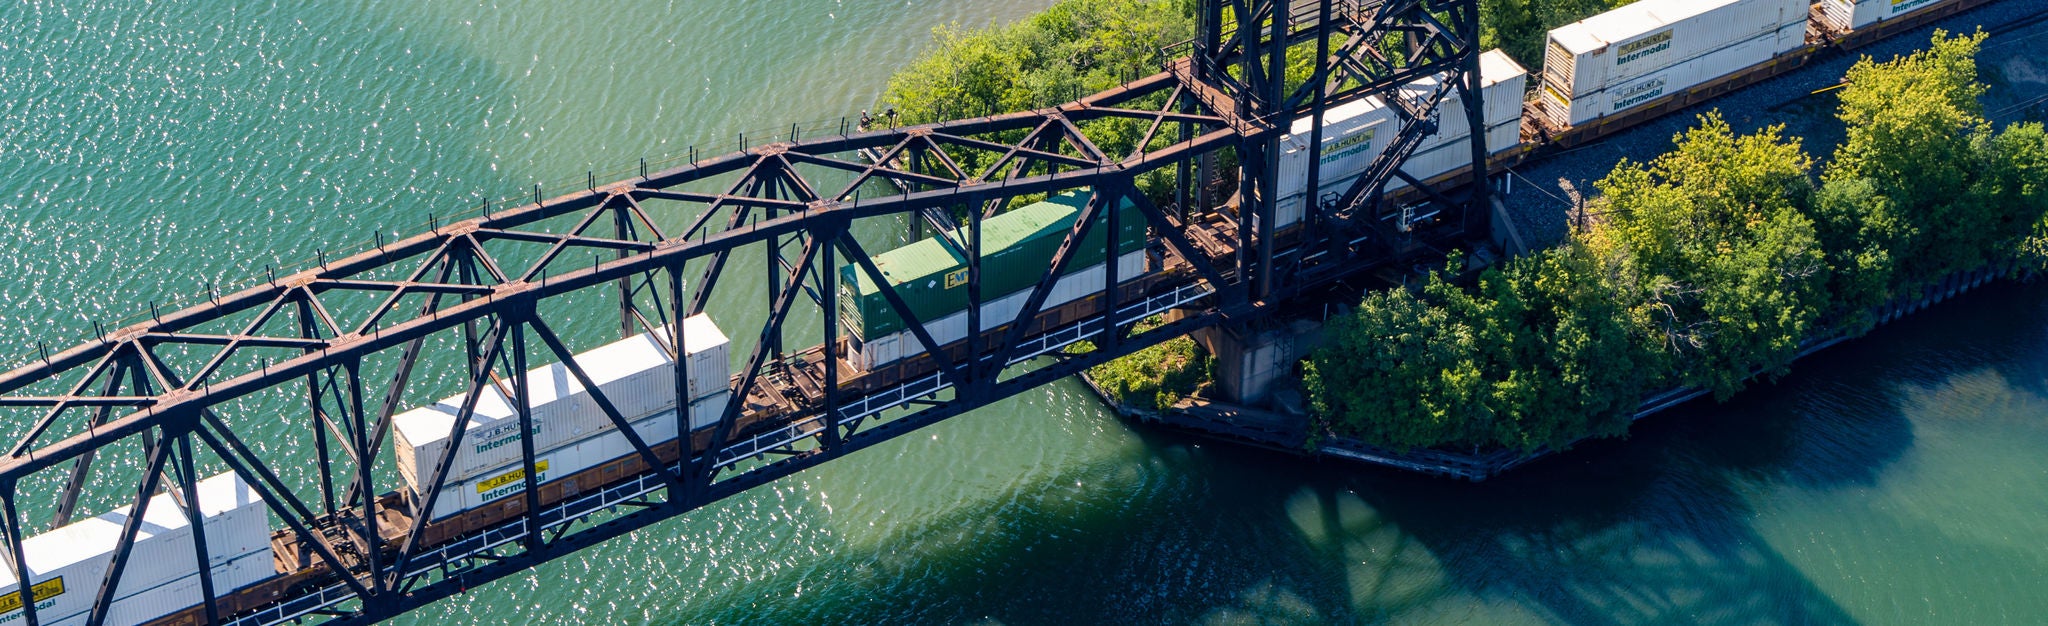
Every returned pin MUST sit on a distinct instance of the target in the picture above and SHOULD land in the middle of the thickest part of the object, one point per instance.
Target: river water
(147, 149)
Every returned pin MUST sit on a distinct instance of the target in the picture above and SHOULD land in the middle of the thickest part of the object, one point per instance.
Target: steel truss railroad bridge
(341, 342)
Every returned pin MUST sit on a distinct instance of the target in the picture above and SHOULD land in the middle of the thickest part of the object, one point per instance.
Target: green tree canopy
(1715, 239)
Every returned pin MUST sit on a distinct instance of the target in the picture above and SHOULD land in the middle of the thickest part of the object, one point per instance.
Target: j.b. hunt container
(1367, 125)
(562, 461)
(636, 374)
(1571, 110)
(1423, 164)
(1354, 135)
(1852, 14)
(145, 605)
(1502, 83)
(68, 563)
(1617, 47)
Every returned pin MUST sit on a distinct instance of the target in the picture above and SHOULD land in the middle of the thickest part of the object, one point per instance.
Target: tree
(1714, 238)
(1533, 354)
(1398, 372)
(1909, 167)
(1522, 27)
(1072, 49)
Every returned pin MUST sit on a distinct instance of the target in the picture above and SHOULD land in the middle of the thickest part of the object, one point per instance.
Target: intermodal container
(1503, 83)
(68, 563)
(1448, 157)
(876, 352)
(171, 597)
(1423, 164)
(509, 480)
(1565, 110)
(1354, 135)
(635, 374)
(1017, 249)
(1634, 41)
(1850, 15)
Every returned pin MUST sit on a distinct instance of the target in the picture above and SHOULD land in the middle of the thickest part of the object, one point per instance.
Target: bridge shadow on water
(1660, 528)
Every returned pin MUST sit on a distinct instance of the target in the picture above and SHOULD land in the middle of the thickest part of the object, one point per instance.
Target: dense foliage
(1072, 49)
(1154, 377)
(1705, 267)
(1922, 181)
(1719, 258)
(1521, 27)
(1536, 354)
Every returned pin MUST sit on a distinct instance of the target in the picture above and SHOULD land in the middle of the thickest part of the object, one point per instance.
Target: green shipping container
(1017, 249)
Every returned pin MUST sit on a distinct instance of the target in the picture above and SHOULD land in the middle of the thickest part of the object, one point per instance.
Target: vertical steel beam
(828, 272)
(623, 225)
(1270, 102)
(683, 494)
(23, 583)
(309, 330)
(188, 483)
(122, 546)
(366, 459)
(1112, 255)
(1472, 92)
(522, 401)
(1311, 199)
(974, 322)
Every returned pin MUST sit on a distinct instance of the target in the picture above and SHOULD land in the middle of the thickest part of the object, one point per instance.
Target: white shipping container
(171, 597)
(635, 374)
(1423, 164)
(68, 563)
(1502, 85)
(1644, 37)
(710, 356)
(705, 412)
(1656, 85)
(951, 328)
(510, 480)
(1354, 134)
(503, 482)
(1851, 15)
(1449, 157)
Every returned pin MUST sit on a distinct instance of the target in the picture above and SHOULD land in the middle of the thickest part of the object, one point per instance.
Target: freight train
(1599, 74)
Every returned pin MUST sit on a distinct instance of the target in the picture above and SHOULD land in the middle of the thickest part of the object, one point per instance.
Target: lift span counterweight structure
(335, 351)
